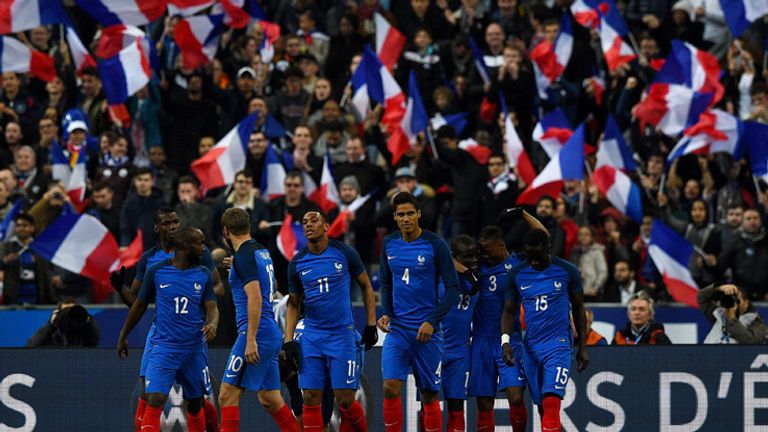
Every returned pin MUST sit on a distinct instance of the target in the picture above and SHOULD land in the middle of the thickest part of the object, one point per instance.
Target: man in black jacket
(26, 278)
(138, 212)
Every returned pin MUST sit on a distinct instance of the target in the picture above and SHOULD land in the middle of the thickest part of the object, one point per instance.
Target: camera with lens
(725, 300)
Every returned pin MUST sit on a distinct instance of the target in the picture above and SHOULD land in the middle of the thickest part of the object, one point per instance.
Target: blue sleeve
(208, 293)
(294, 282)
(244, 263)
(141, 268)
(356, 267)
(447, 272)
(207, 260)
(510, 291)
(147, 290)
(574, 280)
(385, 279)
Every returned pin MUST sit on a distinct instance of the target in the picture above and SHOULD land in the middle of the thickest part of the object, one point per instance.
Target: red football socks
(518, 417)
(312, 416)
(211, 417)
(485, 421)
(139, 414)
(456, 421)
(287, 422)
(151, 420)
(393, 415)
(433, 417)
(196, 422)
(353, 418)
(550, 419)
(230, 419)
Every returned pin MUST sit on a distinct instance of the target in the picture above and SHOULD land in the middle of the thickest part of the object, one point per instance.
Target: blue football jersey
(546, 300)
(457, 324)
(179, 296)
(324, 280)
(252, 262)
(409, 273)
(490, 305)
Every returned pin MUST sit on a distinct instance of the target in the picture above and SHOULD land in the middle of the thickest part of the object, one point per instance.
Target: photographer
(70, 326)
(735, 319)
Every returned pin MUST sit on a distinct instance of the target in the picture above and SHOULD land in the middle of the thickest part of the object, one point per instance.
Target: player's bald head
(186, 236)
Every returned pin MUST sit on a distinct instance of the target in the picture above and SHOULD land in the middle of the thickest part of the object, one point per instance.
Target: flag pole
(432, 143)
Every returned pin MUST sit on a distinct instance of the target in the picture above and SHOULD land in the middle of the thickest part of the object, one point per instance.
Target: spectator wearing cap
(243, 92)
(192, 117)
(93, 101)
(17, 104)
(369, 175)
(362, 226)
(405, 181)
(292, 99)
(25, 275)
(77, 141)
(138, 210)
(500, 191)
(31, 179)
(318, 43)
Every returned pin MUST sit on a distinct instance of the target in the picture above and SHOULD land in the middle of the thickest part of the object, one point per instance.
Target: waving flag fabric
(125, 74)
(479, 153)
(620, 191)
(457, 121)
(756, 136)
(671, 253)
(671, 108)
(414, 121)
(8, 224)
(550, 60)
(326, 196)
(552, 131)
(16, 57)
(696, 69)
(389, 41)
(340, 225)
(615, 50)
(131, 12)
(514, 149)
(373, 83)
(218, 167)
(187, 7)
(716, 131)
(80, 55)
(586, 12)
(198, 39)
(20, 15)
(273, 175)
(290, 238)
(740, 14)
(613, 149)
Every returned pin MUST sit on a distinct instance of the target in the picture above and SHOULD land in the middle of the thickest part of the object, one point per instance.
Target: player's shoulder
(159, 265)
(203, 269)
(341, 246)
(149, 253)
(568, 266)
(391, 237)
(434, 239)
(300, 254)
(248, 249)
(519, 266)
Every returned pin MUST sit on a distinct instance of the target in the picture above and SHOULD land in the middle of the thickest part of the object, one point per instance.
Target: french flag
(615, 50)
(8, 225)
(550, 60)
(691, 67)
(75, 187)
(198, 39)
(716, 131)
(756, 136)
(218, 167)
(20, 15)
(80, 244)
(132, 12)
(340, 225)
(412, 123)
(187, 8)
(389, 41)
(568, 164)
(587, 12)
(598, 86)
(740, 14)
(671, 107)
(671, 253)
(552, 132)
(125, 74)
(16, 57)
(373, 83)
(273, 175)
(457, 121)
(80, 55)
(115, 38)
(613, 150)
(479, 153)
(617, 187)
(514, 148)
(326, 196)
(290, 238)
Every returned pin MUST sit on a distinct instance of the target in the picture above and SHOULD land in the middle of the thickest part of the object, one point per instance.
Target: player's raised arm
(385, 278)
(138, 308)
(576, 295)
(509, 318)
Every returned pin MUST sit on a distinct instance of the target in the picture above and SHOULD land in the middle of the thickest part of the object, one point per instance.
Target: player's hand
(122, 348)
(509, 355)
(227, 262)
(292, 351)
(252, 352)
(370, 337)
(425, 332)
(383, 323)
(582, 359)
(117, 278)
(209, 330)
(509, 214)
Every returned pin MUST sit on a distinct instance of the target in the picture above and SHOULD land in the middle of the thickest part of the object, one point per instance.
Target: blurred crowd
(302, 95)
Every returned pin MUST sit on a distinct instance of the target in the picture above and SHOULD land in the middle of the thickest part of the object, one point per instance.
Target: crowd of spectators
(134, 169)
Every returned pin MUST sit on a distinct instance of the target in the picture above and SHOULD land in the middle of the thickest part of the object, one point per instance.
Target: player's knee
(429, 396)
(271, 401)
(392, 388)
(194, 406)
(346, 397)
(515, 396)
(455, 405)
(313, 397)
(485, 404)
(228, 396)
(156, 399)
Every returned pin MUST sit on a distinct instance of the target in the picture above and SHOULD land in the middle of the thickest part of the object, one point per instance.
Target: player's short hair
(642, 295)
(162, 211)
(183, 236)
(236, 220)
(401, 198)
(318, 211)
(535, 239)
(491, 233)
(461, 241)
(26, 217)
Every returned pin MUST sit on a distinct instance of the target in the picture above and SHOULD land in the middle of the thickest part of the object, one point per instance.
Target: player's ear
(418, 213)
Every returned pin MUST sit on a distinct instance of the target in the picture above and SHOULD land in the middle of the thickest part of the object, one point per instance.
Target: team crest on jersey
(508, 266)
(198, 287)
(338, 266)
(558, 285)
(421, 259)
(264, 254)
